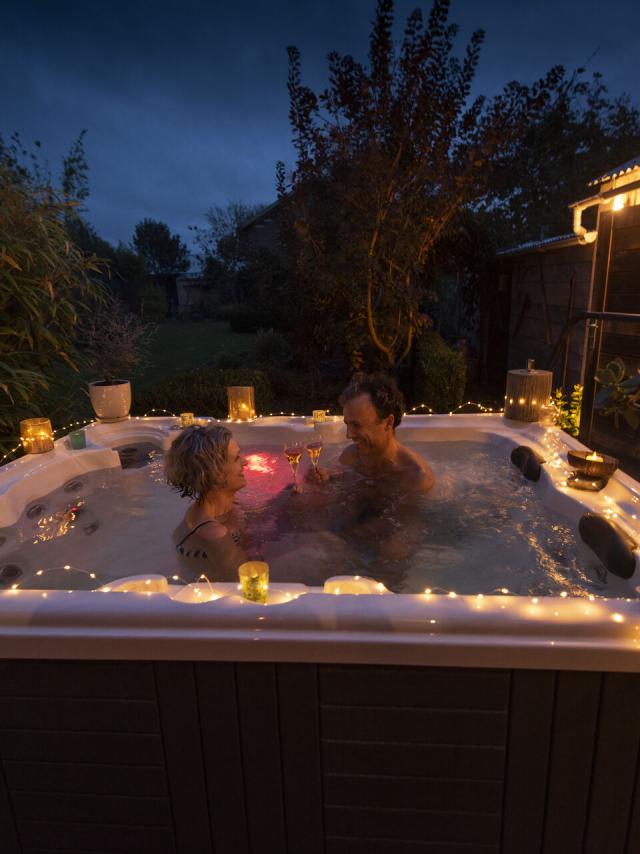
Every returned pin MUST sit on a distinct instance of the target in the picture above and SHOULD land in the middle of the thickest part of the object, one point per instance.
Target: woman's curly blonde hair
(194, 462)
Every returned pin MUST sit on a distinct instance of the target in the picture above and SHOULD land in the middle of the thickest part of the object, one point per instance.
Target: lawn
(181, 345)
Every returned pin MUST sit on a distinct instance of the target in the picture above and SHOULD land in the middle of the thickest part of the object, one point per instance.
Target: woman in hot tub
(205, 463)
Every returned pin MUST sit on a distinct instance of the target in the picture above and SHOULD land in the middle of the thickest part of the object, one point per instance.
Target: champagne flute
(314, 449)
(293, 452)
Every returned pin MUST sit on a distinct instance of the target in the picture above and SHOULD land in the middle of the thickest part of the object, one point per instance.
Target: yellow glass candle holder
(187, 419)
(36, 435)
(242, 406)
(254, 580)
(319, 415)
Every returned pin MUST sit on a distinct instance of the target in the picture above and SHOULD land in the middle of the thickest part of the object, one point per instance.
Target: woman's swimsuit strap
(193, 530)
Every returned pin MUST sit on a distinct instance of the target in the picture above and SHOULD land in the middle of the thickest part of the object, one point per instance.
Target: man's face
(364, 427)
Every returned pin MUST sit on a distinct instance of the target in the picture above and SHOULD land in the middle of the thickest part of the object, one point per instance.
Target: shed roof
(629, 166)
(540, 245)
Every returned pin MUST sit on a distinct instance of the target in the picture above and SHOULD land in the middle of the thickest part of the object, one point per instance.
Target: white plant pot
(111, 401)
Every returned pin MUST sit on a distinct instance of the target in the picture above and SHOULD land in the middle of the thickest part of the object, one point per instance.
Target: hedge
(439, 374)
(203, 392)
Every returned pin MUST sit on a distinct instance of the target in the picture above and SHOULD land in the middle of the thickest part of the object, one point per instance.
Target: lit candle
(241, 403)
(254, 580)
(186, 419)
(36, 435)
(319, 414)
(595, 458)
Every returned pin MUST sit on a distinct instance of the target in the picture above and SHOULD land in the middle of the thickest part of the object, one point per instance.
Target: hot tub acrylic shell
(307, 624)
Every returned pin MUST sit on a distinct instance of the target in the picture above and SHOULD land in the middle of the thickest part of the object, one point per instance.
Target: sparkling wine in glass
(293, 453)
(314, 449)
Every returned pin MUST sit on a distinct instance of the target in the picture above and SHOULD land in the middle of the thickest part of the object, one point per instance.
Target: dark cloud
(185, 103)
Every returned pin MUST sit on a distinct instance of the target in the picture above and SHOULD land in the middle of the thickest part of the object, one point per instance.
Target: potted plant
(115, 343)
(620, 394)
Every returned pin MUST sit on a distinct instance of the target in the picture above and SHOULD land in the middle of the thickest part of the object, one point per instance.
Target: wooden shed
(593, 269)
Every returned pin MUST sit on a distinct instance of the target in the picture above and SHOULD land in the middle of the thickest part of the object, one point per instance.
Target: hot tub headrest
(529, 463)
(611, 544)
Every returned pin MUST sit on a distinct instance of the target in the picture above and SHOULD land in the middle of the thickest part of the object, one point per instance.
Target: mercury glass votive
(36, 435)
(187, 419)
(254, 580)
(242, 405)
(319, 415)
(77, 440)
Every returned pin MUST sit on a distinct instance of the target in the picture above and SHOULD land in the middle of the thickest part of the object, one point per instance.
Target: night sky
(185, 103)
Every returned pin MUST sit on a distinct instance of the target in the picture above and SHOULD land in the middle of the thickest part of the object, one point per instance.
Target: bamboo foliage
(46, 286)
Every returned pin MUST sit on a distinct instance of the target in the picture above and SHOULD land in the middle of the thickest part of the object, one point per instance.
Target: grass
(181, 345)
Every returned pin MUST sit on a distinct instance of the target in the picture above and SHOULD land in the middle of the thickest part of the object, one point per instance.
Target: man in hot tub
(372, 406)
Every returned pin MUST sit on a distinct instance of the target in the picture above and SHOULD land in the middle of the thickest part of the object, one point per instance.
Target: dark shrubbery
(272, 351)
(246, 319)
(203, 391)
(439, 373)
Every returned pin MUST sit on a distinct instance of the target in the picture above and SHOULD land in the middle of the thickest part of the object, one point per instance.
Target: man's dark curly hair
(383, 390)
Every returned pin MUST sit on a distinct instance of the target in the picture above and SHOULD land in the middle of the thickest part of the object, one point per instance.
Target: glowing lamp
(242, 405)
(254, 580)
(618, 203)
(36, 435)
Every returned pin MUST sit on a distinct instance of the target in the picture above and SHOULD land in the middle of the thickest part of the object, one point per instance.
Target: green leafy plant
(203, 391)
(568, 407)
(619, 395)
(439, 373)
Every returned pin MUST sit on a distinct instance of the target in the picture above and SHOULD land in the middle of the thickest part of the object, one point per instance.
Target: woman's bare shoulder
(212, 530)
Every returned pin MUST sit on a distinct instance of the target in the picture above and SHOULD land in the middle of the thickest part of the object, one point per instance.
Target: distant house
(263, 231)
(595, 267)
(194, 296)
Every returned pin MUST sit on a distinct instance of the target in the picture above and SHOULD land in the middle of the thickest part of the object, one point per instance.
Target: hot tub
(355, 719)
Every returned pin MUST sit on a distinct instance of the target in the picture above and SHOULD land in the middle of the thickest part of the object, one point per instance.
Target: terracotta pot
(111, 401)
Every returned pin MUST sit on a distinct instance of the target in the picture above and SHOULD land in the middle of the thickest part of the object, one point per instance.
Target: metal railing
(596, 320)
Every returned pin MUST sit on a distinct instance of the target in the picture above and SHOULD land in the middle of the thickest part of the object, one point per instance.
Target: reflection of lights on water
(260, 463)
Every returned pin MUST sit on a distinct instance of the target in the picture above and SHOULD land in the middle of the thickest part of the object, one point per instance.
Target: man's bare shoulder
(418, 471)
(349, 456)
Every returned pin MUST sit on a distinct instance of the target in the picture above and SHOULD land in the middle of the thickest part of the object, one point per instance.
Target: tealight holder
(591, 464)
(36, 435)
(187, 419)
(319, 415)
(254, 580)
(77, 440)
(242, 405)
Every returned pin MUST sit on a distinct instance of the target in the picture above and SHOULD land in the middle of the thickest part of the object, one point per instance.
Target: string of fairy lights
(159, 412)
(536, 607)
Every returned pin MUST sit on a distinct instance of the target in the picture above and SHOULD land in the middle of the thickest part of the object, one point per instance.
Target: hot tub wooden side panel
(256, 758)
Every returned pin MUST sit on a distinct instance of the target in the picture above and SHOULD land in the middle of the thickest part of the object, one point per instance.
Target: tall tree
(387, 157)
(581, 133)
(163, 253)
(74, 181)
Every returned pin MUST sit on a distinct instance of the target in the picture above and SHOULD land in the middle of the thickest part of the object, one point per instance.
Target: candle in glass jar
(186, 419)
(254, 580)
(36, 435)
(595, 458)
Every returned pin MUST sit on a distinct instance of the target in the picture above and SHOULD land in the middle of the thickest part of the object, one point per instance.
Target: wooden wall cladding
(224, 758)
